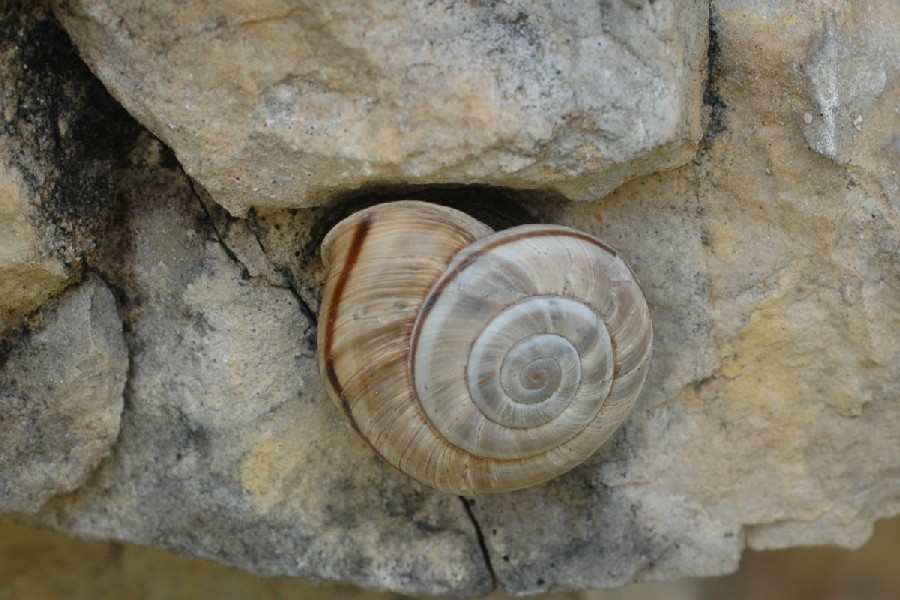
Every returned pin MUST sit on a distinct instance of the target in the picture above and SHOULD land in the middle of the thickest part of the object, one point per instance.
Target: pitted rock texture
(61, 390)
(286, 104)
(61, 137)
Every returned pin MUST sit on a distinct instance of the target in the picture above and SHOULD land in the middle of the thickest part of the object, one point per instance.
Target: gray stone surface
(851, 63)
(770, 415)
(274, 104)
(229, 448)
(61, 390)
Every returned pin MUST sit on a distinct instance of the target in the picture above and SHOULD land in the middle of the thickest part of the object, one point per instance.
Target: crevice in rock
(220, 235)
(304, 307)
(288, 274)
(266, 20)
(713, 103)
(208, 205)
(479, 534)
(498, 207)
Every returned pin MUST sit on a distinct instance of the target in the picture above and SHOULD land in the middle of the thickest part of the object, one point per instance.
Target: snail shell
(478, 362)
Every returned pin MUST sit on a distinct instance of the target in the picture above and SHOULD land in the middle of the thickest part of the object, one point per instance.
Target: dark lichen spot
(711, 98)
(704, 237)
(67, 135)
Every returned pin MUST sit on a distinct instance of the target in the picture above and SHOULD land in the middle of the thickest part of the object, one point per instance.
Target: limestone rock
(285, 104)
(60, 137)
(27, 277)
(229, 447)
(61, 397)
(852, 66)
(769, 417)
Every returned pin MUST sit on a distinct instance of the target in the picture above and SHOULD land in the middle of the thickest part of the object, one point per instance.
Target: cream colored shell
(478, 362)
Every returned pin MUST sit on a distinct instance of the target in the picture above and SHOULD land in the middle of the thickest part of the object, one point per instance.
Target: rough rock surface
(851, 67)
(285, 104)
(770, 415)
(61, 397)
(60, 137)
(229, 448)
(38, 564)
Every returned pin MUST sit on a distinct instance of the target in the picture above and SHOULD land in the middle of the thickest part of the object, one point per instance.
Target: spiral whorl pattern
(512, 356)
(479, 362)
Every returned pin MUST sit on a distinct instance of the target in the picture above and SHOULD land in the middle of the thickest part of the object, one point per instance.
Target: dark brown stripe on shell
(359, 237)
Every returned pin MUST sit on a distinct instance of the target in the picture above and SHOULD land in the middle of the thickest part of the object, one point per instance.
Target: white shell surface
(537, 370)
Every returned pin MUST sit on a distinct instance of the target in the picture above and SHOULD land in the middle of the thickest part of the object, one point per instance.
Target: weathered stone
(61, 135)
(274, 104)
(769, 417)
(27, 276)
(61, 397)
(769, 414)
(229, 448)
(852, 66)
(36, 565)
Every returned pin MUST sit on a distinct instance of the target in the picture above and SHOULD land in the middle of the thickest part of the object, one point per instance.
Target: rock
(61, 135)
(769, 417)
(851, 69)
(27, 276)
(770, 413)
(270, 105)
(61, 397)
(229, 447)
